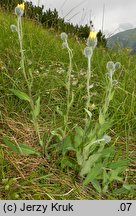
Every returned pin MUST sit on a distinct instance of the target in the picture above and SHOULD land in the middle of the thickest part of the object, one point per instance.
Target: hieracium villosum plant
(94, 154)
(69, 94)
(64, 129)
(28, 77)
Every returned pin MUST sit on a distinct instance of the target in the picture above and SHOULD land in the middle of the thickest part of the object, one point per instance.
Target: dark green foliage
(33, 12)
(9, 4)
(101, 40)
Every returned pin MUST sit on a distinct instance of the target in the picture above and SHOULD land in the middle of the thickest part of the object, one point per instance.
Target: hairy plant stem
(88, 77)
(108, 95)
(31, 102)
(68, 85)
(88, 84)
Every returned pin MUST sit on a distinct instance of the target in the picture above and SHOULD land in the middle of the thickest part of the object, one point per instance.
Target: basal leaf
(121, 190)
(115, 175)
(101, 118)
(19, 148)
(79, 131)
(111, 96)
(67, 162)
(105, 177)
(106, 152)
(28, 150)
(78, 137)
(92, 175)
(12, 145)
(129, 187)
(118, 164)
(20, 94)
(67, 145)
(87, 165)
(77, 141)
(79, 157)
(96, 185)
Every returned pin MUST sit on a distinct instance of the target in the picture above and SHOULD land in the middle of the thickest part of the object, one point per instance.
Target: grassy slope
(41, 178)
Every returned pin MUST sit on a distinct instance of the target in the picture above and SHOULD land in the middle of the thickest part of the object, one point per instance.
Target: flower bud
(117, 65)
(19, 11)
(63, 36)
(106, 138)
(88, 51)
(114, 82)
(110, 66)
(13, 28)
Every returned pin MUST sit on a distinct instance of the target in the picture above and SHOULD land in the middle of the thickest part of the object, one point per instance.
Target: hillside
(50, 169)
(125, 39)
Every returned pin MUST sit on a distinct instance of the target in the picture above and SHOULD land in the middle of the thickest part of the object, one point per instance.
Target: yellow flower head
(92, 35)
(21, 6)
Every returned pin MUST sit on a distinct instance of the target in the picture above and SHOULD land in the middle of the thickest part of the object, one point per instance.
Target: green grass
(31, 177)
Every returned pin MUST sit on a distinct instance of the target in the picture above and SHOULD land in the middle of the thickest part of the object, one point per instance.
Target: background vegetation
(50, 19)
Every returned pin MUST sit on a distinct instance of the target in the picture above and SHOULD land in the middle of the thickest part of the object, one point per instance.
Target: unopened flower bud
(110, 66)
(88, 51)
(114, 82)
(63, 36)
(13, 28)
(117, 65)
(106, 138)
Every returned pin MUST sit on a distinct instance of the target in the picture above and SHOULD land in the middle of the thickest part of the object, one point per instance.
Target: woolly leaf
(96, 185)
(101, 118)
(86, 167)
(92, 175)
